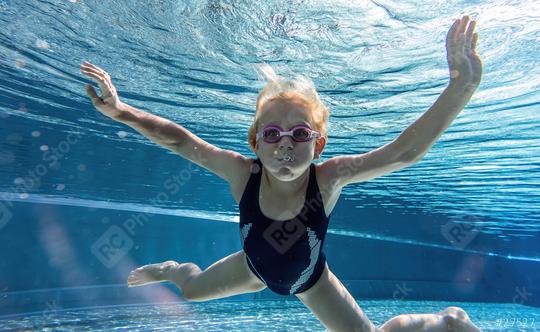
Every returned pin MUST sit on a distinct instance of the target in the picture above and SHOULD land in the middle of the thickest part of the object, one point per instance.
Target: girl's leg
(226, 277)
(334, 306)
(337, 310)
(450, 319)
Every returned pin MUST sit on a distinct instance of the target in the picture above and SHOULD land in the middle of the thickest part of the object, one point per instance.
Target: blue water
(70, 176)
(255, 316)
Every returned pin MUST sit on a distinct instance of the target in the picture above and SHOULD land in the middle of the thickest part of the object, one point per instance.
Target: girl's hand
(464, 63)
(109, 104)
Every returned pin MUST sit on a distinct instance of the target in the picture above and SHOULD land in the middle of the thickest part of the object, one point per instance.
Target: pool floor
(256, 315)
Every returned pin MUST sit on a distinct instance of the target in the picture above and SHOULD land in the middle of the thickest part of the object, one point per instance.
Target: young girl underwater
(285, 200)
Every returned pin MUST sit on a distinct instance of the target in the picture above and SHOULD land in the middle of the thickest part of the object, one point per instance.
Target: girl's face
(286, 159)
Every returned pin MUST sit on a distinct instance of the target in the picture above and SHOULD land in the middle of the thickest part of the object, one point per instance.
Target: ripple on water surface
(258, 316)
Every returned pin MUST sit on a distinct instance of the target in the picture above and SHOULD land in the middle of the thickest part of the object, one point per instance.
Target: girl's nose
(286, 142)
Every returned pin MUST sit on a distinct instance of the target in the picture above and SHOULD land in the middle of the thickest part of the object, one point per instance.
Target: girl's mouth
(286, 158)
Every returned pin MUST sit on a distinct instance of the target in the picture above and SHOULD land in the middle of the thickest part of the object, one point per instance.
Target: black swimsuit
(286, 255)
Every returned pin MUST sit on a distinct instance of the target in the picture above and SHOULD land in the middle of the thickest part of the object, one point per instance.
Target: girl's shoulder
(239, 184)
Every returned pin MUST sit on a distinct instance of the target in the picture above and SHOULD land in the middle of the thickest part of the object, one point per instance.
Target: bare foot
(451, 319)
(152, 273)
(458, 320)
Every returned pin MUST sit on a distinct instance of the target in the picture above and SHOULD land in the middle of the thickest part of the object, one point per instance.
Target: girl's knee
(456, 312)
(456, 319)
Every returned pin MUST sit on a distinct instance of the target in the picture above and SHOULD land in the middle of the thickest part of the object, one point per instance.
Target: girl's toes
(151, 273)
(131, 280)
(134, 283)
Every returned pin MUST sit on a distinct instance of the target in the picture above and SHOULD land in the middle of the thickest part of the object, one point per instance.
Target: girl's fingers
(108, 90)
(93, 72)
(458, 33)
(93, 75)
(464, 23)
(99, 79)
(451, 33)
(93, 66)
(469, 33)
(105, 85)
(455, 31)
(471, 27)
(104, 82)
(90, 69)
(473, 41)
(99, 76)
(89, 66)
(463, 35)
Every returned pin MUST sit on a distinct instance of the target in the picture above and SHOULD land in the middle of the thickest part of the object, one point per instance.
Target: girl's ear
(256, 147)
(319, 147)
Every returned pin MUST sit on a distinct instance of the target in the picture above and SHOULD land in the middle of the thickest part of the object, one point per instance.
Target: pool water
(256, 316)
(85, 199)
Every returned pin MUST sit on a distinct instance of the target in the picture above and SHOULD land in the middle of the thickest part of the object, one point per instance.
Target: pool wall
(58, 256)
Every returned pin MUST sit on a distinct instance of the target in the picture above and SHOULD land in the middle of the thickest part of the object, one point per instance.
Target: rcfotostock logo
(521, 296)
(117, 241)
(112, 246)
(401, 292)
(460, 234)
(32, 180)
(283, 234)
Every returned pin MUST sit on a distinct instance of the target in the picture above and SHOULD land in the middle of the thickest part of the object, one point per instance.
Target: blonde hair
(279, 87)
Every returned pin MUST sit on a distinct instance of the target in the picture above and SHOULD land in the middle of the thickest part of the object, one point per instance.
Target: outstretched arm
(164, 132)
(465, 74)
(415, 141)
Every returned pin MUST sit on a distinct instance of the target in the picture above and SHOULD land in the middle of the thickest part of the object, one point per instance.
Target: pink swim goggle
(299, 133)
